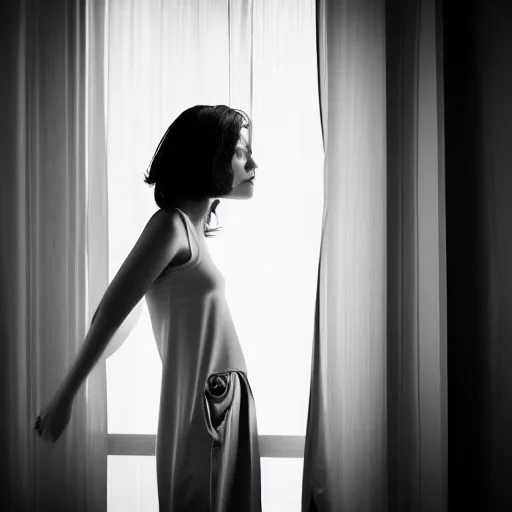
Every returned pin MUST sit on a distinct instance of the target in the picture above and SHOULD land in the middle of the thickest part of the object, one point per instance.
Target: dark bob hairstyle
(193, 159)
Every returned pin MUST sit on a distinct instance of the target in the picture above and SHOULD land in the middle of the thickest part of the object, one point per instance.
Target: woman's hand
(54, 419)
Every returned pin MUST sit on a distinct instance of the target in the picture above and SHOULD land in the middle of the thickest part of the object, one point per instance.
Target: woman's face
(243, 166)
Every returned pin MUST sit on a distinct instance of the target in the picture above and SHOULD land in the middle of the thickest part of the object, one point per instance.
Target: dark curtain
(478, 103)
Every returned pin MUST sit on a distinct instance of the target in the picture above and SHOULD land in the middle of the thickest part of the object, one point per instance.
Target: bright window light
(268, 246)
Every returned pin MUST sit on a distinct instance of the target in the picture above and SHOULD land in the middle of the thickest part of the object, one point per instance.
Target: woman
(205, 154)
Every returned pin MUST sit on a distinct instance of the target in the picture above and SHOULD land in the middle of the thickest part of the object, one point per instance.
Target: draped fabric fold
(241, 52)
(417, 286)
(230, 416)
(376, 431)
(345, 452)
(53, 248)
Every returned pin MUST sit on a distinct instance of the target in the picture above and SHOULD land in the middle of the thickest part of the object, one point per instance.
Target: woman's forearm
(94, 345)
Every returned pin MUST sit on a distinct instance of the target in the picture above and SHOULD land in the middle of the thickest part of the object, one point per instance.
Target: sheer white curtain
(52, 214)
(163, 57)
(377, 429)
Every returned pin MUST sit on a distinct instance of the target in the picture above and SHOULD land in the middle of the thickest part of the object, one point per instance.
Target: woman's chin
(243, 191)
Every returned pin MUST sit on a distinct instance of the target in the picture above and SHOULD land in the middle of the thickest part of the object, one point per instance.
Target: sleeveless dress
(195, 337)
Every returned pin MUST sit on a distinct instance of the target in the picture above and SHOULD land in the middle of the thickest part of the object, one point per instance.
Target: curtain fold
(241, 54)
(417, 281)
(52, 218)
(96, 251)
(345, 452)
(377, 425)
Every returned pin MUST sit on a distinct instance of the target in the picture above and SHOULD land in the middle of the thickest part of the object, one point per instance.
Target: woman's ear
(212, 209)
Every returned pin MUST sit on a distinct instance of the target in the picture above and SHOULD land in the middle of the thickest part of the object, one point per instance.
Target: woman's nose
(251, 164)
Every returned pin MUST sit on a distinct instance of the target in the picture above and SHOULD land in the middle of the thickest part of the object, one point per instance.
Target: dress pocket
(230, 416)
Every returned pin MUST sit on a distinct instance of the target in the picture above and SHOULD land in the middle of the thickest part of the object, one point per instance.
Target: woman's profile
(204, 155)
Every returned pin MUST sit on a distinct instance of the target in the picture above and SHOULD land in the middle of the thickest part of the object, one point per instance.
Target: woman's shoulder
(170, 219)
(166, 218)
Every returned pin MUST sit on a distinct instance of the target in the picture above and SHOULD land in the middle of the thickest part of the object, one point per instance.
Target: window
(276, 234)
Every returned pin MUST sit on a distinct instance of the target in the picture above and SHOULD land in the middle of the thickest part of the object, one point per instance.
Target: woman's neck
(197, 211)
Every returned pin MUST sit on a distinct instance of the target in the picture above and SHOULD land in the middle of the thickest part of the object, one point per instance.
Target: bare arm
(152, 252)
(126, 328)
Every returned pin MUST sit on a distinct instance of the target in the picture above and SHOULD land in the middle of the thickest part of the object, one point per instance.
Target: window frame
(281, 446)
